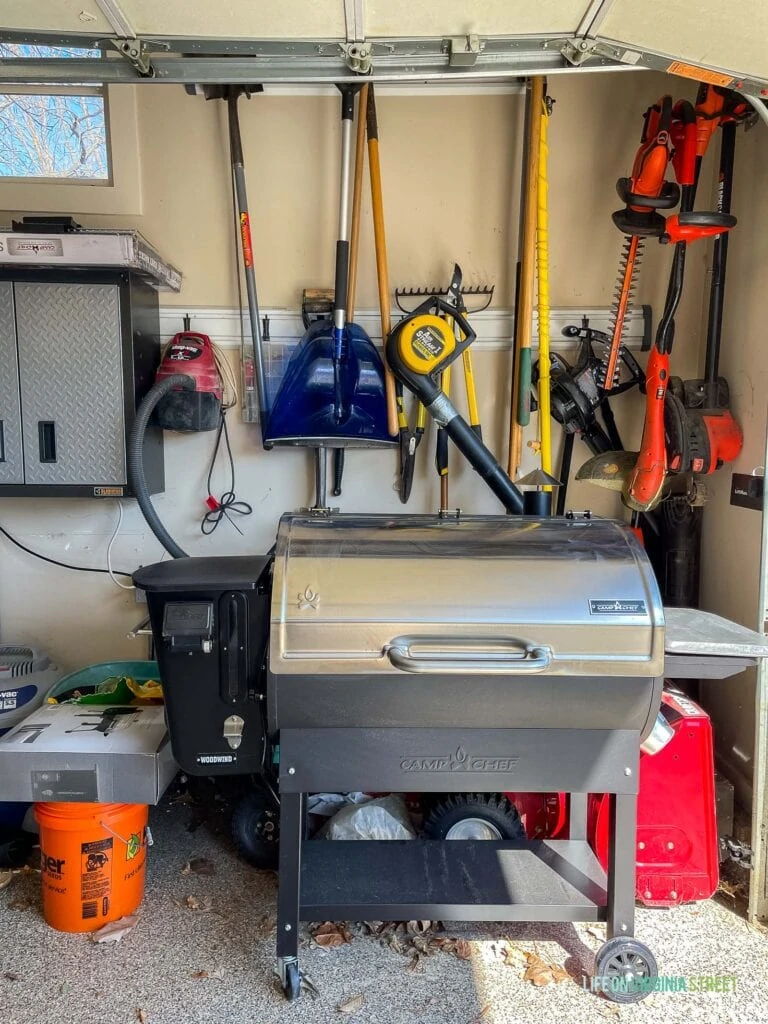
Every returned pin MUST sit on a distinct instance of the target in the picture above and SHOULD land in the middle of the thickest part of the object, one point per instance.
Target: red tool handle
(644, 484)
(684, 139)
(690, 227)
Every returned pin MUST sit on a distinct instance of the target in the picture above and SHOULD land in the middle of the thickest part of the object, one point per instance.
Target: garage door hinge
(136, 52)
(358, 57)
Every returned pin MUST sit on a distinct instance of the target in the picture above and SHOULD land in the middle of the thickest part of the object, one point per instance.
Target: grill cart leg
(292, 816)
(621, 866)
(624, 967)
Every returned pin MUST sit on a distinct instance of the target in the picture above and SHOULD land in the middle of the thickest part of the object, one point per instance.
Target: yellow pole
(542, 252)
(521, 381)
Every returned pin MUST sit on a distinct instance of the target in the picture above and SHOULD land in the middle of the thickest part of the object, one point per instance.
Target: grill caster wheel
(474, 816)
(256, 830)
(292, 982)
(621, 961)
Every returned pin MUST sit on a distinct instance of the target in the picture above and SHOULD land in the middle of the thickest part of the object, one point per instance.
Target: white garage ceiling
(303, 40)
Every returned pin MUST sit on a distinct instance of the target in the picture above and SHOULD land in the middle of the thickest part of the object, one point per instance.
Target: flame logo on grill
(459, 759)
(309, 599)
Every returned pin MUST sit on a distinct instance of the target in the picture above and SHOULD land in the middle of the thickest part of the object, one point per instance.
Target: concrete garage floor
(51, 978)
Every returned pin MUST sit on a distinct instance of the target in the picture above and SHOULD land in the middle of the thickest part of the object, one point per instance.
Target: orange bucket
(93, 859)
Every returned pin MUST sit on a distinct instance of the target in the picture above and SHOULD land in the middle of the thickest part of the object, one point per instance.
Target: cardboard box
(80, 753)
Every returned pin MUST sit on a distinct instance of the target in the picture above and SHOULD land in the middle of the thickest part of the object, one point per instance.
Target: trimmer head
(609, 469)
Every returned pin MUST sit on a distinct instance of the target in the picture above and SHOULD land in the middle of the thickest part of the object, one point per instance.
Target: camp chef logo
(35, 246)
(460, 761)
(617, 607)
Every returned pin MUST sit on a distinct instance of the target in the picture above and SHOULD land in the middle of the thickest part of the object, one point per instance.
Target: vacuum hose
(136, 478)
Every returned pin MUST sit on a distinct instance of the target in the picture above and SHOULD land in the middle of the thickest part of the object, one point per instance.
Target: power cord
(112, 539)
(228, 504)
(62, 565)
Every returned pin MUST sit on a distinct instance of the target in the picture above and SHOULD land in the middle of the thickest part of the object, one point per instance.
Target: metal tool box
(79, 346)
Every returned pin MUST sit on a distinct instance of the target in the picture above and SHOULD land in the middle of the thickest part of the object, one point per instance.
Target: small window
(53, 132)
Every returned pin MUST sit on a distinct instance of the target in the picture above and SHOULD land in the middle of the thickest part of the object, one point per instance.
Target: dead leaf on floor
(482, 1015)
(596, 933)
(423, 945)
(540, 973)
(6, 877)
(609, 1010)
(415, 963)
(352, 1005)
(11, 976)
(330, 934)
(513, 957)
(194, 902)
(183, 798)
(199, 866)
(115, 931)
(141, 1016)
(267, 926)
(395, 944)
(463, 950)
(418, 927)
(21, 903)
(215, 975)
(309, 985)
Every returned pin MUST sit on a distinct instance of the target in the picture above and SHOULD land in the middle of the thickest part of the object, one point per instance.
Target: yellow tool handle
(524, 310)
(542, 252)
(469, 378)
(374, 167)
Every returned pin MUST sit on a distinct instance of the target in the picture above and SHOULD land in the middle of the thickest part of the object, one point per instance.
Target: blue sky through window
(56, 134)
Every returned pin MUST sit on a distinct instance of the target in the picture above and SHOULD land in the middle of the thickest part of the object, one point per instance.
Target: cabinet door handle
(46, 430)
(2, 440)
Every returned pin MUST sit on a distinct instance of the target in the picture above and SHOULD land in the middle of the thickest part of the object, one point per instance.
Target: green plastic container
(87, 679)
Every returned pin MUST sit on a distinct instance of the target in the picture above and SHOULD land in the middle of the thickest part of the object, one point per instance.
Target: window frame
(119, 194)
(64, 90)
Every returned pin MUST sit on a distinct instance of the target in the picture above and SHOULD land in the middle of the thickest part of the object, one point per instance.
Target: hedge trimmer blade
(631, 257)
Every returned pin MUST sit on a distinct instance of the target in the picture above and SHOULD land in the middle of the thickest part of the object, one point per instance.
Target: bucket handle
(147, 834)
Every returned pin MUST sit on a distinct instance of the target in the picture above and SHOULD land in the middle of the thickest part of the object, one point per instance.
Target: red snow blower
(677, 847)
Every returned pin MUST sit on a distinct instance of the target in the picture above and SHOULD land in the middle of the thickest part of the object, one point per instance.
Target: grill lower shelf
(463, 880)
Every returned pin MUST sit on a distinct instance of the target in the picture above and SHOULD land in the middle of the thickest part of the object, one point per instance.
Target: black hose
(136, 478)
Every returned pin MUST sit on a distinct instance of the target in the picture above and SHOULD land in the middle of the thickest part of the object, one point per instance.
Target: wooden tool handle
(521, 380)
(382, 269)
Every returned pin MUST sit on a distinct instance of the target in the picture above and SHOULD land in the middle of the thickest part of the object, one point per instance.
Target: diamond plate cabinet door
(69, 348)
(11, 454)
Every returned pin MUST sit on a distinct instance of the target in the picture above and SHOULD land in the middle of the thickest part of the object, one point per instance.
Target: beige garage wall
(451, 179)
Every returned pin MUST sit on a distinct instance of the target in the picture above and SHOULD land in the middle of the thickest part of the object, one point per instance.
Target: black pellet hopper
(433, 655)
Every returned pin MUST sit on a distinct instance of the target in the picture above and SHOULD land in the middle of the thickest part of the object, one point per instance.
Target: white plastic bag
(385, 817)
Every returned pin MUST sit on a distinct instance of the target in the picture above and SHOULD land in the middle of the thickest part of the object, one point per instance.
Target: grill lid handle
(490, 655)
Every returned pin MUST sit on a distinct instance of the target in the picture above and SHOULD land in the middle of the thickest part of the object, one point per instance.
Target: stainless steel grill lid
(378, 595)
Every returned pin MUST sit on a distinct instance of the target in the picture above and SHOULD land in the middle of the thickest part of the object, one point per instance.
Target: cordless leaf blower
(418, 350)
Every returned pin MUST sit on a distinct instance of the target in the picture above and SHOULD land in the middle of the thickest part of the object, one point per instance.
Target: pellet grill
(426, 654)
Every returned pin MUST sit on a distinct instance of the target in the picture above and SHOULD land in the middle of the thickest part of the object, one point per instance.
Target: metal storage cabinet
(78, 351)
